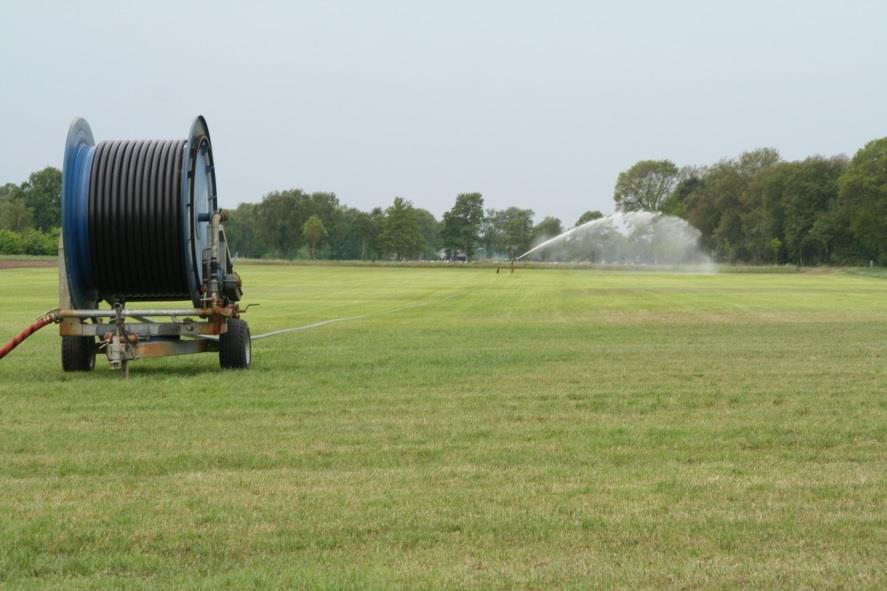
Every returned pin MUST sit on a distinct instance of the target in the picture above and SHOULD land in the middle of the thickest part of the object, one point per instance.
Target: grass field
(547, 429)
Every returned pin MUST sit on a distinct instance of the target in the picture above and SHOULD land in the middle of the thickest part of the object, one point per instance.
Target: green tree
(326, 206)
(400, 232)
(589, 216)
(343, 241)
(280, 222)
(429, 227)
(41, 193)
(462, 224)
(750, 163)
(314, 231)
(517, 230)
(365, 233)
(491, 234)
(721, 185)
(15, 215)
(717, 203)
(7, 190)
(377, 219)
(242, 231)
(775, 247)
(863, 193)
(547, 228)
(645, 186)
(810, 193)
(763, 218)
(282, 214)
(689, 179)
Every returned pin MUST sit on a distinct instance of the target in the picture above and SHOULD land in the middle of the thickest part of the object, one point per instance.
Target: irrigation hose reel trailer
(141, 222)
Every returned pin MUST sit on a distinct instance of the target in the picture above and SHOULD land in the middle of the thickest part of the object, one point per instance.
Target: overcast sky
(534, 104)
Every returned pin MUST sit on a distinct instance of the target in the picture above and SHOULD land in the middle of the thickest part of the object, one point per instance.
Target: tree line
(295, 224)
(30, 214)
(755, 208)
(759, 208)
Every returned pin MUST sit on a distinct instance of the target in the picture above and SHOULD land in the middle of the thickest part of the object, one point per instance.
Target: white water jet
(632, 238)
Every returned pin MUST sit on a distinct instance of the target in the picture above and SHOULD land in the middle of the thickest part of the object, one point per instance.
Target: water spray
(637, 237)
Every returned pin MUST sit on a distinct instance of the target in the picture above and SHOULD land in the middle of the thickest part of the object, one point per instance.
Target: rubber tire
(78, 353)
(235, 347)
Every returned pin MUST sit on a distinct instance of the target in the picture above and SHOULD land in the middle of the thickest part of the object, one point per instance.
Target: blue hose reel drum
(136, 216)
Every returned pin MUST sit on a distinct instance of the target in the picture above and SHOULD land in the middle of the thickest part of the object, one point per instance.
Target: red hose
(17, 339)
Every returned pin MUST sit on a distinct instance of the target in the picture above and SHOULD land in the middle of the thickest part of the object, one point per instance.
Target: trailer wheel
(235, 349)
(78, 353)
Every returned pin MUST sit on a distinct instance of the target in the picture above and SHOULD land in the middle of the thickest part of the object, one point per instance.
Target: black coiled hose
(136, 216)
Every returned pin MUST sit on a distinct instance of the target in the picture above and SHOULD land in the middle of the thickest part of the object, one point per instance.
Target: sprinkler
(141, 222)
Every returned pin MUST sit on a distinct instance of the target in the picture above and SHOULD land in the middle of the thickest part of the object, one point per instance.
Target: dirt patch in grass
(26, 263)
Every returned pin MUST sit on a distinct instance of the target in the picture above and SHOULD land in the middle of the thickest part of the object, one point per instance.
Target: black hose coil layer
(136, 234)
